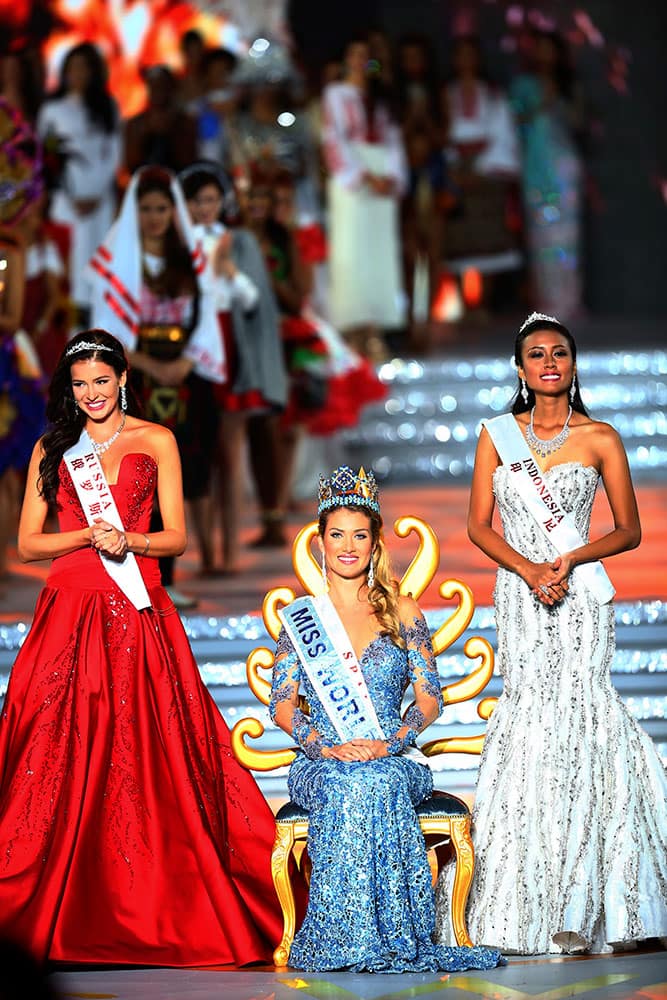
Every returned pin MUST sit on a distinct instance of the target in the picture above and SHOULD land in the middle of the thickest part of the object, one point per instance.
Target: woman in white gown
(81, 123)
(365, 158)
(569, 815)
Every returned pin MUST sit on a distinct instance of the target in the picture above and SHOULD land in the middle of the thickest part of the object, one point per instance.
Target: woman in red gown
(129, 833)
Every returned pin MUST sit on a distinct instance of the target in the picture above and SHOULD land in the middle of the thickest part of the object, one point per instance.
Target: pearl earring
(573, 388)
(524, 390)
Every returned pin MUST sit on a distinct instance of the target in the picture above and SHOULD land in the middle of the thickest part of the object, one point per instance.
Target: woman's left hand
(563, 566)
(557, 587)
(370, 749)
(108, 540)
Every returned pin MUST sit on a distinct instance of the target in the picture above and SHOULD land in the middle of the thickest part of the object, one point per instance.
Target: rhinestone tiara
(534, 317)
(345, 489)
(86, 345)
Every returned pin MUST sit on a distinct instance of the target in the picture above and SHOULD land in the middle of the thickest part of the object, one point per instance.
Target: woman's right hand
(543, 580)
(107, 539)
(353, 750)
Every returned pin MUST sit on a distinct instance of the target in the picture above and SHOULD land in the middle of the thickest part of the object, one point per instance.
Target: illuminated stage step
(221, 645)
(427, 427)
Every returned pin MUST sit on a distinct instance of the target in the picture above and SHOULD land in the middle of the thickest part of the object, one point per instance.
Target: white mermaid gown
(570, 814)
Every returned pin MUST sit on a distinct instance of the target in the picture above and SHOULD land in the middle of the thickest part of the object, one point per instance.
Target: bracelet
(397, 744)
(148, 545)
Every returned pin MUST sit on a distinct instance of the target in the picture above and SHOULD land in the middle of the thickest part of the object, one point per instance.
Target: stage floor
(638, 975)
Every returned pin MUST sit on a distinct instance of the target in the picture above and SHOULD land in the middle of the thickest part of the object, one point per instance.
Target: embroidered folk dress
(371, 905)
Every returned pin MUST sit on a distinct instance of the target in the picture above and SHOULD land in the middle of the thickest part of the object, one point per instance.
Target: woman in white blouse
(80, 123)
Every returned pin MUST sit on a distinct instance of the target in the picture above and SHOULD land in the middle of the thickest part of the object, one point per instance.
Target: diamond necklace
(101, 446)
(539, 445)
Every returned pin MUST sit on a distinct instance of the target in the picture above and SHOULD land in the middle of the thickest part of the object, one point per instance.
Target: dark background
(626, 151)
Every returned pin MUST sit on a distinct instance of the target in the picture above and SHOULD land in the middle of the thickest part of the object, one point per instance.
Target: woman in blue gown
(371, 904)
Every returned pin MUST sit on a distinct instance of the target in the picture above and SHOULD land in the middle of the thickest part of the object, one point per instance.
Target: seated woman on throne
(354, 651)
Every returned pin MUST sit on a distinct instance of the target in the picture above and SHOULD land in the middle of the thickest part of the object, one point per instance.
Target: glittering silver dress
(570, 815)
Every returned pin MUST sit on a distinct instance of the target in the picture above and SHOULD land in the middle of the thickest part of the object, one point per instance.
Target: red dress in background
(129, 833)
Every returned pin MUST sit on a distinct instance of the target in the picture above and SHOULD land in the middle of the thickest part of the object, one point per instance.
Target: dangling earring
(524, 390)
(573, 388)
(371, 574)
(123, 398)
(325, 579)
(74, 407)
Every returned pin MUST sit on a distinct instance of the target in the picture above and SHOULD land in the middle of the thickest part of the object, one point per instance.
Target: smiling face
(347, 543)
(357, 55)
(95, 386)
(77, 73)
(546, 362)
(156, 212)
(260, 203)
(205, 207)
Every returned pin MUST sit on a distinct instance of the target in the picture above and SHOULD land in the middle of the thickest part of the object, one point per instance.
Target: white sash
(554, 522)
(326, 655)
(97, 502)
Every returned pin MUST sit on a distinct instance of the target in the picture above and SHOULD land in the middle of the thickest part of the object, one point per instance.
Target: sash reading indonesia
(555, 523)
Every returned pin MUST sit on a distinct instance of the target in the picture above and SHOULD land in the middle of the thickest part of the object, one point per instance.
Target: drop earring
(325, 579)
(573, 388)
(123, 398)
(524, 390)
(371, 574)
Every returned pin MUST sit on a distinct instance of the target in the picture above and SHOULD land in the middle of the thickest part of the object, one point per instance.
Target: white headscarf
(115, 271)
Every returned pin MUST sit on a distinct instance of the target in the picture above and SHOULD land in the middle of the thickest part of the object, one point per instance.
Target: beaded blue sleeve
(285, 687)
(423, 668)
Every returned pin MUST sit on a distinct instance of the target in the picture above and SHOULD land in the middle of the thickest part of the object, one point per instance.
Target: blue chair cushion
(291, 813)
(440, 804)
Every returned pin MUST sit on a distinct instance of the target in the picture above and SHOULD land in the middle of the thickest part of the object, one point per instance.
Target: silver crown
(538, 316)
(86, 345)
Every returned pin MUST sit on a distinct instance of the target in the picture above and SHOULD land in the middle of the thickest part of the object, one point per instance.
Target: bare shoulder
(408, 610)
(597, 432)
(151, 437)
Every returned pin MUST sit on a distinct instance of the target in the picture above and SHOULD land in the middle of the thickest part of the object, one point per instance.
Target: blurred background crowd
(377, 196)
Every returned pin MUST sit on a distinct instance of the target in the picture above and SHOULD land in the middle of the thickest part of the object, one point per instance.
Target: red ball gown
(129, 833)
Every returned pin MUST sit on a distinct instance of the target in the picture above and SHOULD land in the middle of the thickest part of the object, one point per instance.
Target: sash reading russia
(330, 663)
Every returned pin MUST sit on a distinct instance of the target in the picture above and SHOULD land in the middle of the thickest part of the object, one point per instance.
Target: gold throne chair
(444, 818)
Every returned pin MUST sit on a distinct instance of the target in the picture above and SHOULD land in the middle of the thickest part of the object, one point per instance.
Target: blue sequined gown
(371, 905)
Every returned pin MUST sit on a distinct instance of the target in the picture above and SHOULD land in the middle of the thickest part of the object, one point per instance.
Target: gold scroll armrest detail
(454, 744)
(474, 682)
(277, 598)
(459, 620)
(308, 572)
(424, 564)
(260, 658)
(253, 759)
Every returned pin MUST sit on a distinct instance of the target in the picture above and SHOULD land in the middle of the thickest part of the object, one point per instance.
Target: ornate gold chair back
(416, 579)
(444, 818)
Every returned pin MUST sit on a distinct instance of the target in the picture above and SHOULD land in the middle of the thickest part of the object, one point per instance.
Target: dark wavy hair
(97, 99)
(383, 595)
(204, 172)
(64, 416)
(178, 276)
(518, 404)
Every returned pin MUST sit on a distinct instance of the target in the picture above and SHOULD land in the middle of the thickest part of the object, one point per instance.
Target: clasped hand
(357, 750)
(548, 581)
(107, 539)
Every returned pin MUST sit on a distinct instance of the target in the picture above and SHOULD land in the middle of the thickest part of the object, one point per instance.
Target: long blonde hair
(383, 595)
